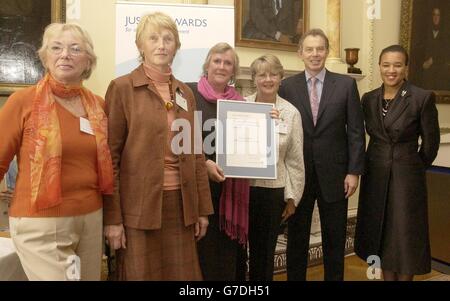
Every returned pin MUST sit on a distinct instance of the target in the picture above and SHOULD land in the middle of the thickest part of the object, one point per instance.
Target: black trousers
(266, 208)
(221, 259)
(333, 221)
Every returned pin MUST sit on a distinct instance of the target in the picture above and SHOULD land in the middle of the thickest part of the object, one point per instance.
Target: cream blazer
(290, 166)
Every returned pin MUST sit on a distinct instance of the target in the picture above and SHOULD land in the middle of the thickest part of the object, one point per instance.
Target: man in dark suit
(271, 20)
(334, 145)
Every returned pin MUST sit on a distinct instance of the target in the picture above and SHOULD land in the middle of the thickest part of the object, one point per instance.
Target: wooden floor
(355, 270)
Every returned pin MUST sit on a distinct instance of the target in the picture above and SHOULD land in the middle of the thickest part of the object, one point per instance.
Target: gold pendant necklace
(169, 104)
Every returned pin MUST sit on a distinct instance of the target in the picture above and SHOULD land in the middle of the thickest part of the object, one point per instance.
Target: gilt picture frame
(22, 26)
(425, 32)
(264, 24)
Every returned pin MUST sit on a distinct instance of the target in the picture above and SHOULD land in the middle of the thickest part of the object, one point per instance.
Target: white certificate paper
(246, 134)
(246, 140)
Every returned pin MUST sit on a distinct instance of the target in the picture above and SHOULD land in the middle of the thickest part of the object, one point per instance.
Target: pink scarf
(207, 91)
(234, 199)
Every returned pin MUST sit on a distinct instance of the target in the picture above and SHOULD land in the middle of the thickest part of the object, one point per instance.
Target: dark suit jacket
(263, 24)
(335, 146)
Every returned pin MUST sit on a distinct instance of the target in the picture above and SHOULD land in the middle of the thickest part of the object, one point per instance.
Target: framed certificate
(245, 141)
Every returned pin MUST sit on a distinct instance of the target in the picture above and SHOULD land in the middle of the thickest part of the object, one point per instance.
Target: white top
(319, 82)
(290, 165)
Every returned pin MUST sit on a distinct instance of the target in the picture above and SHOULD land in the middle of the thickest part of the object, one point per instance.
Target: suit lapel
(302, 90)
(378, 112)
(398, 107)
(328, 89)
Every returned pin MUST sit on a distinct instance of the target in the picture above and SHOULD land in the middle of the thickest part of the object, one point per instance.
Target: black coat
(395, 172)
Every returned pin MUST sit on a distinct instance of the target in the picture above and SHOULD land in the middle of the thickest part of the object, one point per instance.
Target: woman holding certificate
(273, 201)
(222, 252)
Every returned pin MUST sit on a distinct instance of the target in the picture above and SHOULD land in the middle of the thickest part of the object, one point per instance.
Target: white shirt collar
(252, 98)
(320, 76)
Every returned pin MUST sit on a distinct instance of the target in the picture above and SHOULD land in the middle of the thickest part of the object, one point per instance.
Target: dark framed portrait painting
(425, 32)
(22, 23)
(270, 24)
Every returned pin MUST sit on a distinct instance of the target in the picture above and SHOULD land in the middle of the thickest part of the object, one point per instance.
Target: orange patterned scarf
(45, 153)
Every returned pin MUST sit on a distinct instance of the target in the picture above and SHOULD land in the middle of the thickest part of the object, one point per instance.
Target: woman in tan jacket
(161, 198)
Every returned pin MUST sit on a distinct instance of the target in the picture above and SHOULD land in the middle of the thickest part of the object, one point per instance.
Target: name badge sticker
(85, 126)
(282, 128)
(181, 101)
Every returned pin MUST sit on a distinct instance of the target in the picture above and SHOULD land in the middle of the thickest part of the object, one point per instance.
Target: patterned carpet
(315, 248)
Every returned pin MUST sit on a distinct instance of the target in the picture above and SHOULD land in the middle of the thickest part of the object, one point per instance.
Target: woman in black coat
(392, 213)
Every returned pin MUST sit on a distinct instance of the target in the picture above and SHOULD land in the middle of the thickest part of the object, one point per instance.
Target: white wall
(371, 36)
(98, 18)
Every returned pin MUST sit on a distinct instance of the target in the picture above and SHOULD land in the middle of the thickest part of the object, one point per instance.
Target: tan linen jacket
(290, 165)
(137, 139)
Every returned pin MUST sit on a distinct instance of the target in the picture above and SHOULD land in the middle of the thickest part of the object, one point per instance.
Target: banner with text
(200, 28)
